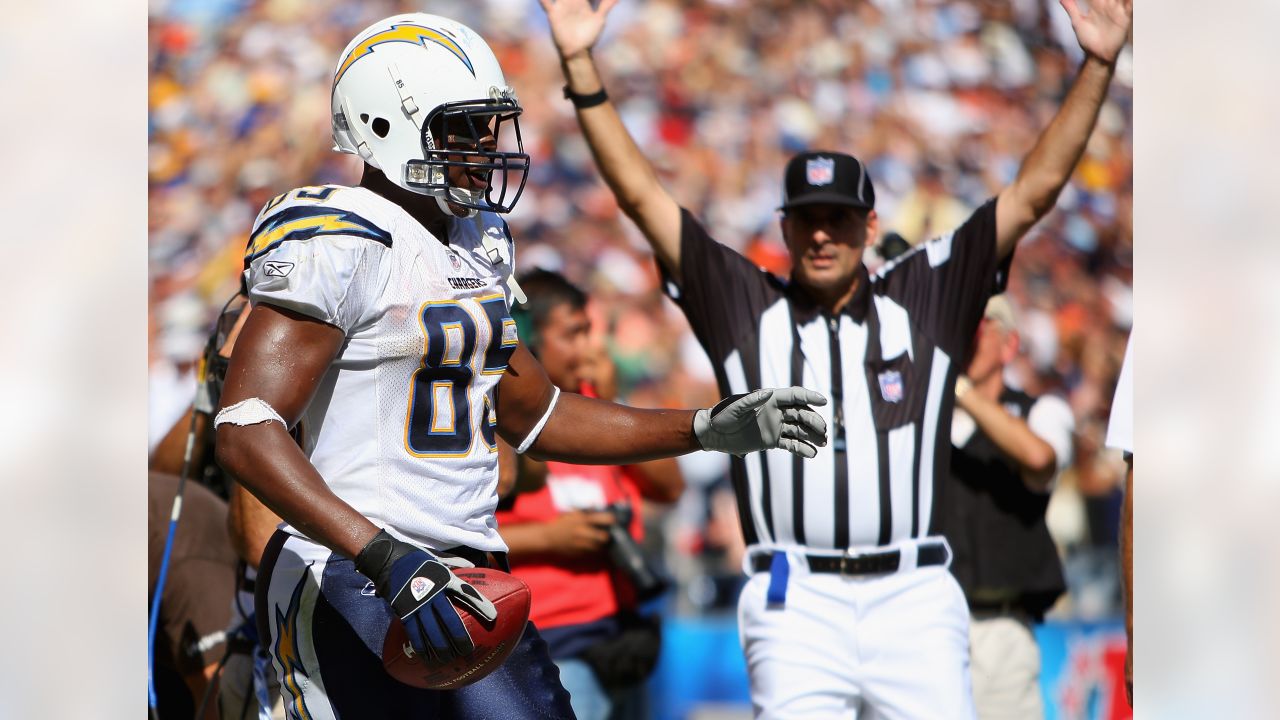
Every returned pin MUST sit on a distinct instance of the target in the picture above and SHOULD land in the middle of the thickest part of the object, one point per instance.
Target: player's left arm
(571, 428)
(657, 480)
(1102, 34)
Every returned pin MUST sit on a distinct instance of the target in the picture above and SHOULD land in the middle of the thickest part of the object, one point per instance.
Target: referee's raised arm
(575, 27)
(1102, 35)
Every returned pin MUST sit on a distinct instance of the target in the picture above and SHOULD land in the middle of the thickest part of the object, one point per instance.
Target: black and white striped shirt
(878, 480)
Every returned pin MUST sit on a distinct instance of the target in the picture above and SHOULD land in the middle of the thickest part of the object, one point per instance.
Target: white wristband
(537, 429)
(248, 412)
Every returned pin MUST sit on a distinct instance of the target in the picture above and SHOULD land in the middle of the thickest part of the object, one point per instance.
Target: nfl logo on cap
(820, 170)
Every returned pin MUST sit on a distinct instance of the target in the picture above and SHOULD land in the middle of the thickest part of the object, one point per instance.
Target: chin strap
(449, 210)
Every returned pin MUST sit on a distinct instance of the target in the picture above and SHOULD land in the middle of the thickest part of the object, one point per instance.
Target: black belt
(867, 564)
(1014, 607)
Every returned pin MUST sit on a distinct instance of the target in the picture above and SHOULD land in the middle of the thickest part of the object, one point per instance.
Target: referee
(850, 607)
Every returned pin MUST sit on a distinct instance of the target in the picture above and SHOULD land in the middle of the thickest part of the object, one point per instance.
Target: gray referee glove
(762, 420)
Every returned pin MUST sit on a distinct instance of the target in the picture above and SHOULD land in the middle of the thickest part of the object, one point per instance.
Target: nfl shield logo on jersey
(820, 170)
(455, 262)
(891, 386)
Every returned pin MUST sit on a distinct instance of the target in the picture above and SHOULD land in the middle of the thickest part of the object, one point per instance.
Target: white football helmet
(406, 85)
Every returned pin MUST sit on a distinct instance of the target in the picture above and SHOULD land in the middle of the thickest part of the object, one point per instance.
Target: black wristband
(582, 102)
(375, 558)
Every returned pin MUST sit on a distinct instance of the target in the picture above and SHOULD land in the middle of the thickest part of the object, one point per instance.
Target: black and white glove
(763, 420)
(418, 587)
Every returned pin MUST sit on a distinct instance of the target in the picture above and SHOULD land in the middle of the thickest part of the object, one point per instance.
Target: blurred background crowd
(941, 99)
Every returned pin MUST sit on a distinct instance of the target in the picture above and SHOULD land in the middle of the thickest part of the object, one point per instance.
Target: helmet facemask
(464, 137)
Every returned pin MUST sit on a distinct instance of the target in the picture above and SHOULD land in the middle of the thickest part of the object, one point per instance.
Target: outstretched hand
(1104, 31)
(575, 25)
(765, 419)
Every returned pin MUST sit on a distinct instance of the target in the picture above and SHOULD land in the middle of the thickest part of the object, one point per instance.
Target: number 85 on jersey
(451, 393)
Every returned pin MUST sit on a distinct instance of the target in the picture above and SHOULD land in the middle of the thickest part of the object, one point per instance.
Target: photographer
(573, 539)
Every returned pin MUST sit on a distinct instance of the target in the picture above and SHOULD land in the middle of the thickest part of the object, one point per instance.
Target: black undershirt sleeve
(945, 283)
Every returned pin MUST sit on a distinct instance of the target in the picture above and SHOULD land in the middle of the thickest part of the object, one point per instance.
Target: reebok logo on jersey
(463, 283)
(420, 587)
(278, 269)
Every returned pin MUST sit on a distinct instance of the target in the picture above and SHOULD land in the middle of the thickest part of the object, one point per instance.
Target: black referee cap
(827, 178)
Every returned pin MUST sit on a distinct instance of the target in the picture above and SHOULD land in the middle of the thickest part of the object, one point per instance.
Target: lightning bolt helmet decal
(407, 33)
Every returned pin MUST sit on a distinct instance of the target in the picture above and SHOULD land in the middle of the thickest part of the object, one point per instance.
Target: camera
(628, 557)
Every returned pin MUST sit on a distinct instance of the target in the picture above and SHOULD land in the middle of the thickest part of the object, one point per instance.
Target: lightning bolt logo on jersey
(403, 426)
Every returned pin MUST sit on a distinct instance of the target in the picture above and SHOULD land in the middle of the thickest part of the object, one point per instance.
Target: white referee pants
(889, 647)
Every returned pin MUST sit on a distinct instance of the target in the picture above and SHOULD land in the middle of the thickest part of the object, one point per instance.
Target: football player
(381, 327)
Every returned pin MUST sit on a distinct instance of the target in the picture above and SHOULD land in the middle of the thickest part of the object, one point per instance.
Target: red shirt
(581, 590)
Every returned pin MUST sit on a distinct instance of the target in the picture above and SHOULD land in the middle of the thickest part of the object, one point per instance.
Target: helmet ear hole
(381, 126)
(364, 118)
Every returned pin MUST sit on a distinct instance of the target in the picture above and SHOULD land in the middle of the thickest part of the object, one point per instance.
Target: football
(494, 641)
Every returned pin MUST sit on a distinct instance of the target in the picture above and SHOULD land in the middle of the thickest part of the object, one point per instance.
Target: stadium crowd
(941, 99)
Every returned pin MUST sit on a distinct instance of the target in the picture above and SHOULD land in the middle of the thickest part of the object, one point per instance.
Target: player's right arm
(575, 27)
(280, 358)
(311, 271)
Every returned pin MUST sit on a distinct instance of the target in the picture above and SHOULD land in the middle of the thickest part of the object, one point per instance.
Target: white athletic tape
(248, 412)
(537, 429)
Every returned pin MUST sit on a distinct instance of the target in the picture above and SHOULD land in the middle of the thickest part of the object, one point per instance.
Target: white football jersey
(403, 424)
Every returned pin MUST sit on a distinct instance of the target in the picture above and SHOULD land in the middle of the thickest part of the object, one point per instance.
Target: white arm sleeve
(532, 437)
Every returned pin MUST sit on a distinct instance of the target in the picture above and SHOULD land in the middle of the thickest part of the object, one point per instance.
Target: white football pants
(885, 647)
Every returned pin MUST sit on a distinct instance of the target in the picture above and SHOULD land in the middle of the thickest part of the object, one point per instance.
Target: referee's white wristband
(537, 429)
